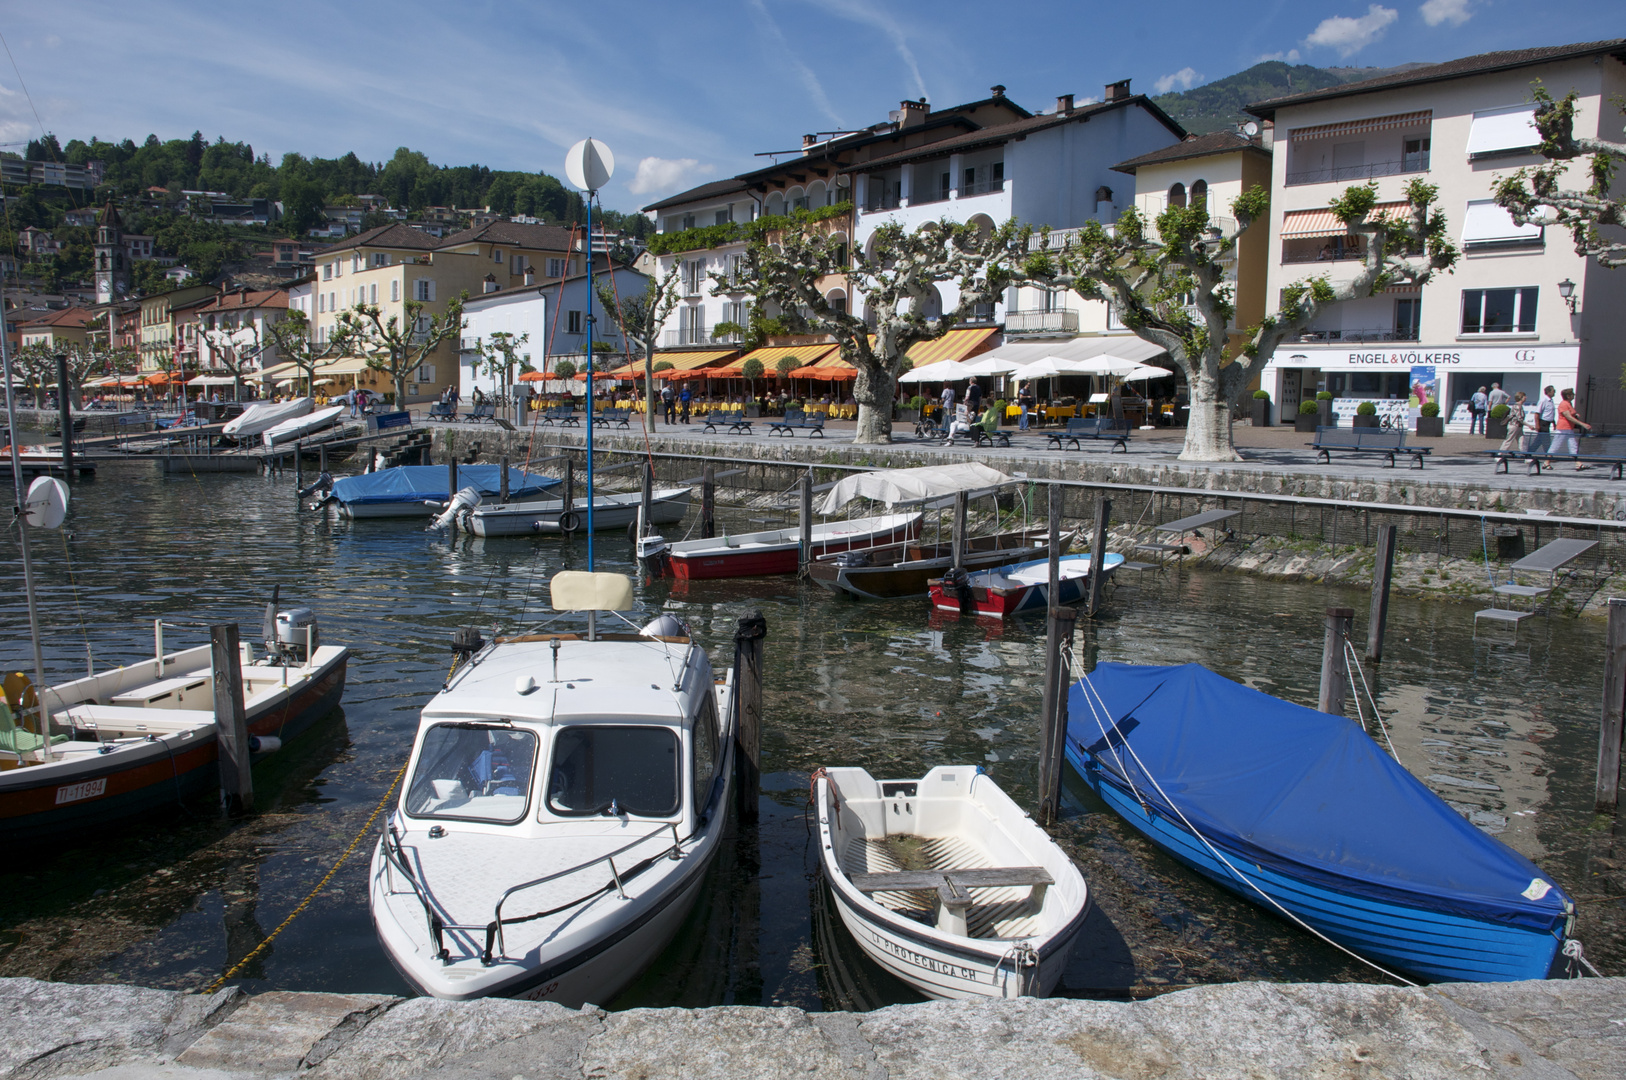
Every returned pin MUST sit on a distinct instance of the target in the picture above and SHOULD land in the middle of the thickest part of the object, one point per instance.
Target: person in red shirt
(1568, 422)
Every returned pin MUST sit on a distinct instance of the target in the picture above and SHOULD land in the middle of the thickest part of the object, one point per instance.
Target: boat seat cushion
(111, 719)
(993, 877)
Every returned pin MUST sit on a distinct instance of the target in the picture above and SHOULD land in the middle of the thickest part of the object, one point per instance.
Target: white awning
(1500, 131)
(894, 486)
(215, 380)
(1121, 346)
(1487, 223)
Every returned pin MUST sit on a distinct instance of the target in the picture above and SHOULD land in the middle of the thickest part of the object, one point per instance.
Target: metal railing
(884, 201)
(1372, 334)
(1409, 164)
(1038, 322)
(984, 187)
(688, 335)
(1319, 255)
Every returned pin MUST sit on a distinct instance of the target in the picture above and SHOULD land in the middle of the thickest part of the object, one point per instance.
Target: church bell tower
(112, 261)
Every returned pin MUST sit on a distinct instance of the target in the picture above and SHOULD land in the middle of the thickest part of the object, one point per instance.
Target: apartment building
(1521, 308)
(233, 327)
(57, 329)
(160, 314)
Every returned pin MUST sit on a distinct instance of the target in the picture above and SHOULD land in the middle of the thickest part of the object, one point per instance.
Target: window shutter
(395, 291)
(429, 288)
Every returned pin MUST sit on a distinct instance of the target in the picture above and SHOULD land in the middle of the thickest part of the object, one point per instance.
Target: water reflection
(1504, 729)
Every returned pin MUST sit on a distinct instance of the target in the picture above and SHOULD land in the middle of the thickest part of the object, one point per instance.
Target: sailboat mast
(22, 535)
(590, 425)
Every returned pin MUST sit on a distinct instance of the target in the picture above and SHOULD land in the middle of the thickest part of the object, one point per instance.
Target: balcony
(1041, 322)
(1308, 336)
(687, 335)
(877, 202)
(1290, 255)
(1409, 164)
(986, 187)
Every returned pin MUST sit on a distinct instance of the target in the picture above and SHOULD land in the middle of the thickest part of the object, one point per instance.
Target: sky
(681, 92)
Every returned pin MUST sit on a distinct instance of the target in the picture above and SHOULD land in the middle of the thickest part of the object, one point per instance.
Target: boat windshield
(597, 767)
(473, 772)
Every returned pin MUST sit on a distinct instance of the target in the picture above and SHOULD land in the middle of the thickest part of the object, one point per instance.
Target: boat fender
(569, 521)
(263, 744)
(665, 626)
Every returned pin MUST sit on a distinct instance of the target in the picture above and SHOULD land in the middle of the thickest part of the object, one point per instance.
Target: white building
(1502, 316)
(552, 318)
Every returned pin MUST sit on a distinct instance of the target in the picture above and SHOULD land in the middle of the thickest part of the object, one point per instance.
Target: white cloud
(788, 56)
(1455, 12)
(1349, 36)
(1185, 78)
(663, 175)
(1291, 56)
(865, 11)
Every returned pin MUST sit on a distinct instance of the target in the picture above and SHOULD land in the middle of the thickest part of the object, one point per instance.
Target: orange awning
(830, 369)
(954, 345)
(770, 355)
(1302, 224)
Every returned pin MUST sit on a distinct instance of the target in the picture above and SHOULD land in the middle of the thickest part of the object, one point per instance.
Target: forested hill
(408, 180)
(1219, 104)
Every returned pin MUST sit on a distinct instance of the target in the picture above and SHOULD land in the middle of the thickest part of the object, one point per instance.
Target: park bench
(812, 423)
(737, 423)
(1097, 428)
(561, 417)
(1387, 444)
(486, 410)
(443, 410)
(1610, 451)
(621, 418)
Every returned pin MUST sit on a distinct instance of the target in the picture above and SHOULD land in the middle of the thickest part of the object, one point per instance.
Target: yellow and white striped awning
(1299, 224)
(954, 345)
(1414, 120)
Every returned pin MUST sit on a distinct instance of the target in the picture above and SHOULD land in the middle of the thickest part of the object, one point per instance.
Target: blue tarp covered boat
(412, 490)
(1308, 810)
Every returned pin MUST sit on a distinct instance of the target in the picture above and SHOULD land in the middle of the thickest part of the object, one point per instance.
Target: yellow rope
(303, 904)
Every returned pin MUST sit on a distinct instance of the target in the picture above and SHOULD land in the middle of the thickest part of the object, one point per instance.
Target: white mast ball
(589, 165)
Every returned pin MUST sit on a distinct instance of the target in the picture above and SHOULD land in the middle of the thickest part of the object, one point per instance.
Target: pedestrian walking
(1569, 424)
(1498, 396)
(668, 403)
(683, 400)
(1515, 426)
(948, 402)
(973, 396)
(1478, 405)
(1546, 410)
(1024, 401)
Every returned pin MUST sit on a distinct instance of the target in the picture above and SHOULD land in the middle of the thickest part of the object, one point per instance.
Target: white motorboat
(300, 426)
(666, 507)
(566, 795)
(947, 884)
(264, 415)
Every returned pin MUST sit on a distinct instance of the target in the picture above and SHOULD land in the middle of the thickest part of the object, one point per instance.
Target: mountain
(1219, 104)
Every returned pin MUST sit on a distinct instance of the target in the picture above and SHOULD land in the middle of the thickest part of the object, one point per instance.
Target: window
(688, 221)
(573, 322)
(694, 274)
(395, 291)
(426, 373)
(333, 301)
(381, 260)
(496, 255)
(599, 769)
(327, 271)
(1177, 195)
(724, 217)
(705, 752)
(1408, 318)
(356, 262)
(372, 293)
(970, 183)
(1504, 131)
(518, 264)
(321, 303)
(838, 301)
(423, 289)
(736, 271)
(473, 772)
(556, 268)
(338, 268)
(943, 185)
(1199, 193)
(1414, 154)
(1499, 311)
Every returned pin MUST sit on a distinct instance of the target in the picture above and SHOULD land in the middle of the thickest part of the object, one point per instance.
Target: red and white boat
(1025, 586)
(776, 551)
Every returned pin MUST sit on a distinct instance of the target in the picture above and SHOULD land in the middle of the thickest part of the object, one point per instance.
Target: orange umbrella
(533, 376)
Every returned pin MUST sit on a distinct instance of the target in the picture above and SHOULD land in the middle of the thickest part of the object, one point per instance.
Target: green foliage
(1221, 103)
(1261, 395)
(667, 365)
(752, 369)
(917, 402)
(1366, 408)
(1429, 408)
(1323, 395)
(704, 237)
(1308, 408)
(565, 369)
(1498, 412)
(786, 365)
(1252, 205)
(1356, 202)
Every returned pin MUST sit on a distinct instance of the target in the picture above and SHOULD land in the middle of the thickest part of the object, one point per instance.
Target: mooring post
(708, 502)
(1382, 571)
(451, 477)
(299, 473)
(569, 502)
(64, 411)
(646, 503)
(961, 499)
(1098, 553)
(1334, 668)
(231, 723)
(322, 459)
(749, 636)
(1614, 699)
(502, 481)
(1058, 649)
(807, 518)
(1056, 497)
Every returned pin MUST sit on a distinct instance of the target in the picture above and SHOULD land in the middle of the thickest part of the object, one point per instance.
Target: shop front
(1398, 380)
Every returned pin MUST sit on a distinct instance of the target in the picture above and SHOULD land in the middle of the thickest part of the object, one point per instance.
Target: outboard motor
(851, 559)
(665, 626)
(324, 484)
(960, 581)
(652, 554)
(467, 499)
(297, 634)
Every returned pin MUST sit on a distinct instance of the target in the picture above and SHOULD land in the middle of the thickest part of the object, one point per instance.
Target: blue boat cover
(1309, 794)
(427, 483)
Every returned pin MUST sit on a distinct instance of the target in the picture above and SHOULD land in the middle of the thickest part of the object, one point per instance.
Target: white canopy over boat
(266, 415)
(894, 486)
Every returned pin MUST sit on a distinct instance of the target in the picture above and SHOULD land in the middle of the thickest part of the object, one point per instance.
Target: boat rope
(1089, 690)
(78, 606)
(1484, 545)
(1353, 661)
(553, 333)
(320, 885)
(1577, 955)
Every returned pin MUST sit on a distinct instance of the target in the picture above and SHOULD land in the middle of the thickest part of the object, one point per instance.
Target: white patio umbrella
(1105, 364)
(942, 371)
(1048, 367)
(1146, 371)
(991, 365)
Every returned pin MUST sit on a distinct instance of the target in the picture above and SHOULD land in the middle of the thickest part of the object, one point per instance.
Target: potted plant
(1309, 417)
(1261, 408)
(1496, 421)
(909, 411)
(1323, 407)
(1430, 424)
(1366, 415)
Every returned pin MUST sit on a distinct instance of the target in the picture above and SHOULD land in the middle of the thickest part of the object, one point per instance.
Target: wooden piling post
(502, 481)
(961, 500)
(569, 503)
(1614, 700)
(1098, 553)
(451, 477)
(64, 412)
(1058, 681)
(322, 458)
(1056, 497)
(807, 518)
(708, 502)
(646, 496)
(231, 722)
(1334, 667)
(1382, 571)
(299, 473)
(749, 636)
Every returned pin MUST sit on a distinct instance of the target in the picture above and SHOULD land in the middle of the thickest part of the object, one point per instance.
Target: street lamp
(1566, 289)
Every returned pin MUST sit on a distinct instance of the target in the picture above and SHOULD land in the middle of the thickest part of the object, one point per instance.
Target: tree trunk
(649, 385)
(1208, 432)
(874, 390)
(400, 391)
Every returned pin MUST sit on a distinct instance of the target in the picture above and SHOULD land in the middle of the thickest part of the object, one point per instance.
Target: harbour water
(1504, 728)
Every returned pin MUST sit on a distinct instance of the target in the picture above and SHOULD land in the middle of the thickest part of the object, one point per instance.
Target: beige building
(57, 329)
(1521, 308)
(159, 314)
(395, 264)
